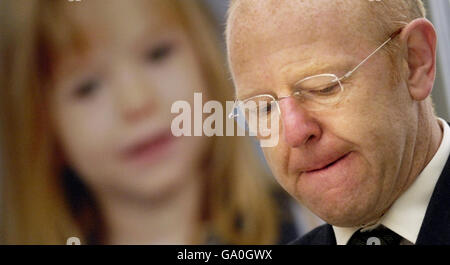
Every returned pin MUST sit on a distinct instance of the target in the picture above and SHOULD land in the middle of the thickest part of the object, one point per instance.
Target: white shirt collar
(407, 213)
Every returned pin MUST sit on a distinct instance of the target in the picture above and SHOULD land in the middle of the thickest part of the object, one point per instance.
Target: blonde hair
(35, 204)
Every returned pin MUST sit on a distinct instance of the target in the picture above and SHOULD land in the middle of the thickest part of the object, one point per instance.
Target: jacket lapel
(322, 235)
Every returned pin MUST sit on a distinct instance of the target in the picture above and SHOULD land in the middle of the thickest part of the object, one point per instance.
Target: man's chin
(342, 221)
(337, 215)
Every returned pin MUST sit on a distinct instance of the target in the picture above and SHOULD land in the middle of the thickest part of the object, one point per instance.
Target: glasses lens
(325, 89)
(257, 115)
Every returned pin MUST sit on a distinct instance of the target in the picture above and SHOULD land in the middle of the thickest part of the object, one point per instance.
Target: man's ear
(420, 39)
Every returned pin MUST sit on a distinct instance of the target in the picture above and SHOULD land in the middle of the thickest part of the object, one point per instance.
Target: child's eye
(160, 52)
(86, 88)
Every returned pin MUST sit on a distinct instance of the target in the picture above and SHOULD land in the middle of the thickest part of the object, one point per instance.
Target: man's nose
(134, 96)
(299, 127)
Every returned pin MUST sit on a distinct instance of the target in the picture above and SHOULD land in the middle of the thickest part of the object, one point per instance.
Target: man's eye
(328, 90)
(160, 52)
(86, 88)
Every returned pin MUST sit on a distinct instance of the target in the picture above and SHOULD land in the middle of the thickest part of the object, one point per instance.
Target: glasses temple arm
(393, 35)
(367, 58)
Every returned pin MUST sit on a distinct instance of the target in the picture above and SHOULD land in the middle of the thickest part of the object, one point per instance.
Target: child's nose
(133, 94)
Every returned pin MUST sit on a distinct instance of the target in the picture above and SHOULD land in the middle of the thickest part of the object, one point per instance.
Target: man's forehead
(257, 26)
(275, 13)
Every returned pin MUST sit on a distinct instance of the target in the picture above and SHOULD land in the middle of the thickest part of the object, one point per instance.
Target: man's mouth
(327, 165)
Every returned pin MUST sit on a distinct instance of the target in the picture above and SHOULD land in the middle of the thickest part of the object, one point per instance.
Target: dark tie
(378, 236)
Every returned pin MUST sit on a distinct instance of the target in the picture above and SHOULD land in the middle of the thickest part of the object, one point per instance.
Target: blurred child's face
(111, 106)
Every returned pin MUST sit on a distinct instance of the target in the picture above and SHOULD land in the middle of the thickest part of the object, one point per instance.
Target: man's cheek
(277, 159)
(274, 155)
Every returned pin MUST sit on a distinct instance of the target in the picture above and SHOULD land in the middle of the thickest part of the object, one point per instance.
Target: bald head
(385, 13)
(264, 20)
(258, 27)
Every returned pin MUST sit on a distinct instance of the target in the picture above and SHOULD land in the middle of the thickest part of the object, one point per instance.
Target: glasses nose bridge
(294, 94)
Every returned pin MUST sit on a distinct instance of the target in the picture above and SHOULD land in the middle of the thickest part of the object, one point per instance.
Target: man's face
(347, 162)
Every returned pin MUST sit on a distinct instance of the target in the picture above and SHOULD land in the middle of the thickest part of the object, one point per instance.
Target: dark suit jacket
(435, 229)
